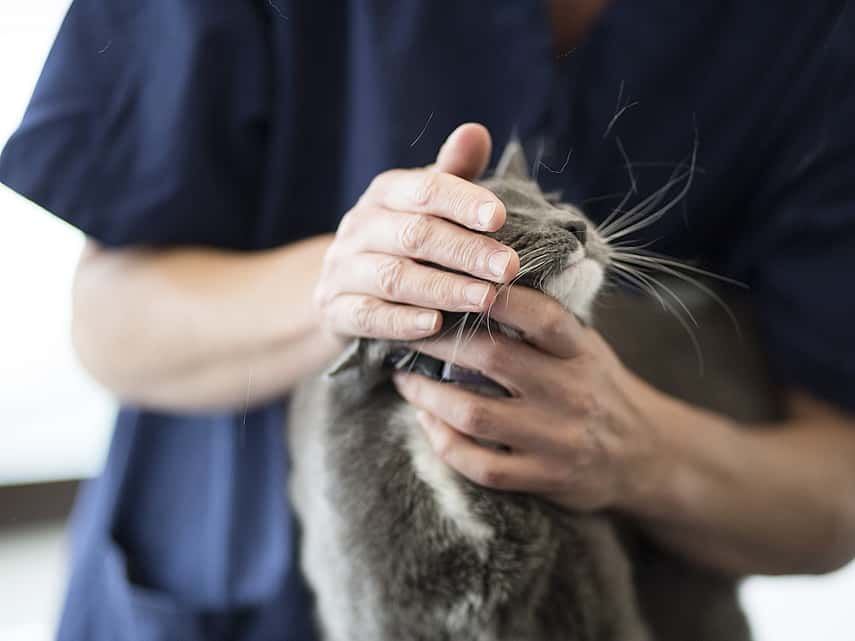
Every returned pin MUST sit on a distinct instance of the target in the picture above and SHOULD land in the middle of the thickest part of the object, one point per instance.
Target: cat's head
(561, 253)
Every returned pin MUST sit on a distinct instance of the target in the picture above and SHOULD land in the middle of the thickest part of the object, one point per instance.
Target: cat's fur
(398, 547)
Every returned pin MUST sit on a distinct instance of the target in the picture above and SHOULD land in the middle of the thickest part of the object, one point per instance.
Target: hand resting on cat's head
(375, 280)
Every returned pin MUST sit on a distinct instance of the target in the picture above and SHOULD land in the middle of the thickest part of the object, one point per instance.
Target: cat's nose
(578, 229)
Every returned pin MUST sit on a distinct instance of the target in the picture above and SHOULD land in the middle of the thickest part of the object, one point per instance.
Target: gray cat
(396, 546)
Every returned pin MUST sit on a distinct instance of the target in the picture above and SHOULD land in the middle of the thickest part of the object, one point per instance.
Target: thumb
(466, 151)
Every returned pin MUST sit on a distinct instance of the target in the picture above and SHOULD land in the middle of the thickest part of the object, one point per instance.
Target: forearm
(753, 500)
(194, 329)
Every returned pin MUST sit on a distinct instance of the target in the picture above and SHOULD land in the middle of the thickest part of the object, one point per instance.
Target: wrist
(690, 446)
(651, 466)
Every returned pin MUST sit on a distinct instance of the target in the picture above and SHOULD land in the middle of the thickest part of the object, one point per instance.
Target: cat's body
(398, 547)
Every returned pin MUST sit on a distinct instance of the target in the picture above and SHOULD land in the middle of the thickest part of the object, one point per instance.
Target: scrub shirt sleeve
(803, 245)
(147, 124)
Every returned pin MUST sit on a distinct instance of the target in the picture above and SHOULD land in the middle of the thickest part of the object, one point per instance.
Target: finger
(440, 194)
(513, 364)
(466, 152)
(541, 320)
(356, 315)
(481, 417)
(431, 239)
(482, 465)
(401, 280)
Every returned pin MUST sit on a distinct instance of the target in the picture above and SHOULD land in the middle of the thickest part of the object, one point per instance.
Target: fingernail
(426, 320)
(476, 294)
(485, 213)
(499, 263)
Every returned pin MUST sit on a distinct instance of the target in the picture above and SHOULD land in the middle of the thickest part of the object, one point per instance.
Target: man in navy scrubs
(210, 152)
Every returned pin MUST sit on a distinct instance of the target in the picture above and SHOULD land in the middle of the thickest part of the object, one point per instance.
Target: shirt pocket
(139, 613)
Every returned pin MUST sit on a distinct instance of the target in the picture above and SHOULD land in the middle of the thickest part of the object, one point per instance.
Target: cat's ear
(513, 163)
(361, 354)
(351, 357)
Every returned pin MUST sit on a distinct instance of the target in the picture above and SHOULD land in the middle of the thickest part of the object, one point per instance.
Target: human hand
(375, 281)
(573, 423)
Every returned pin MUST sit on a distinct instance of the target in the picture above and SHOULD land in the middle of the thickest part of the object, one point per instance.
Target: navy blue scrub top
(247, 125)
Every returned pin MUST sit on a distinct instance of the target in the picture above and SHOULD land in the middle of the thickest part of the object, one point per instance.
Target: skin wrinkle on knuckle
(442, 291)
(415, 235)
(458, 203)
(475, 420)
(397, 324)
(426, 189)
(389, 277)
(364, 315)
(471, 254)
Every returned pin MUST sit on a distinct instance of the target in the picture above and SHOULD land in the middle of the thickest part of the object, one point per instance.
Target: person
(208, 152)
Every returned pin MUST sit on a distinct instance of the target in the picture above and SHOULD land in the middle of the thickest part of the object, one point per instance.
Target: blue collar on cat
(443, 371)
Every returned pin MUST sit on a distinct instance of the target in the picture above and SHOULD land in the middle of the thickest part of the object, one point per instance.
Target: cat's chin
(577, 285)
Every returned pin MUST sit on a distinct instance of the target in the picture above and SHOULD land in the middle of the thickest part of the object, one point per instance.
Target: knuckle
(416, 234)
(364, 315)
(320, 296)
(552, 324)
(468, 254)
(399, 324)
(389, 276)
(327, 286)
(489, 475)
(494, 357)
(347, 223)
(475, 419)
(427, 188)
(443, 446)
(585, 403)
(442, 291)
(382, 180)
(329, 261)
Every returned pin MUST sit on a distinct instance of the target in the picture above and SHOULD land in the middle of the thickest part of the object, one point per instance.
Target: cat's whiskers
(639, 217)
(459, 336)
(530, 261)
(671, 267)
(652, 258)
(647, 283)
(646, 213)
(620, 218)
(632, 263)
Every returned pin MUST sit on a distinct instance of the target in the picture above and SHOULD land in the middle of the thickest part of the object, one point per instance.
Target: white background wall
(54, 422)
